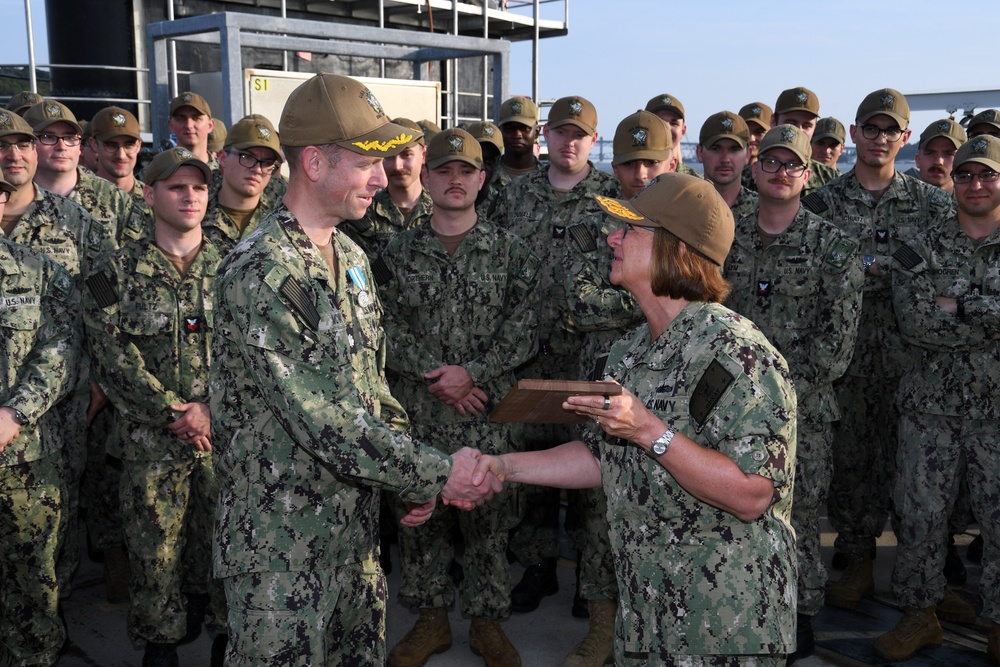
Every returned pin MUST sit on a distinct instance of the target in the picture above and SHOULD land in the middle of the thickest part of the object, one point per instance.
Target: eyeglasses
(53, 139)
(4, 196)
(773, 166)
(249, 161)
(19, 146)
(628, 227)
(872, 132)
(963, 177)
(112, 147)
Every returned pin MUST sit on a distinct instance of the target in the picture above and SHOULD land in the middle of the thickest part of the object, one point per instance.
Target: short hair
(333, 153)
(684, 275)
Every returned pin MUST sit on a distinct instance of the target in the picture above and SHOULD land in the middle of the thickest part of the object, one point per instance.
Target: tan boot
(597, 648)
(955, 610)
(487, 640)
(116, 574)
(857, 582)
(993, 647)
(429, 635)
(918, 629)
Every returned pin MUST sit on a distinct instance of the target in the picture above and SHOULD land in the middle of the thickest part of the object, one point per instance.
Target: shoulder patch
(102, 288)
(712, 385)
(583, 239)
(907, 257)
(299, 299)
(842, 252)
(813, 202)
(382, 272)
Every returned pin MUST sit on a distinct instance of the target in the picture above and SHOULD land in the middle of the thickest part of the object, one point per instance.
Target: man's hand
(473, 403)
(460, 491)
(489, 465)
(195, 427)
(947, 304)
(453, 383)
(98, 399)
(418, 514)
(9, 428)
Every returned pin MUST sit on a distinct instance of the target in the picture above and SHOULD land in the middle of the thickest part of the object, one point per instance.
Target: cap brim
(7, 187)
(659, 156)
(384, 141)
(902, 122)
(718, 137)
(242, 146)
(194, 162)
(523, 120)
(52, 121)
(569, 121)
(117, 133)
(621, 209)
(806, 159)
(827, 135)
(985, 161)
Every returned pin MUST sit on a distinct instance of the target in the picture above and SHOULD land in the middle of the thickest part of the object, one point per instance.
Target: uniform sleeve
(306, 378)
(516, 341)
(49, 369)
(118, 363)
(593, 303)
(925, 325)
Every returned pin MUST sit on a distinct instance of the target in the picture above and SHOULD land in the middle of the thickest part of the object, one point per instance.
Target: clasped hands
(454, 386)
(461, 490)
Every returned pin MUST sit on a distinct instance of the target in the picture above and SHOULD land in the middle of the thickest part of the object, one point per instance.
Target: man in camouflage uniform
(757, 116)
(539, 208)
(88, 156)
(460, 317)
(796, 276)
(237, 201)
(936, 153)
(116, 141)
(306, 433)
(149, 319)
(403, 204)
(190, 120)
(697, 453)
(986, 121)
(670, 109)
(40, 340)
(723, 151)
(946, 293)
(63, 230)
(518, 122)
(491, 142)
(643, 149)
(881, 209)
(828, 141)
(22, 101)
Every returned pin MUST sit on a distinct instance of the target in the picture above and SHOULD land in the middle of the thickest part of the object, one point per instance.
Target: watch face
(869, 259)
(659, 448)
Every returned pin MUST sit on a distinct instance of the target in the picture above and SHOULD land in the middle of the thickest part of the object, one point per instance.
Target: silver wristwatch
(662, 444)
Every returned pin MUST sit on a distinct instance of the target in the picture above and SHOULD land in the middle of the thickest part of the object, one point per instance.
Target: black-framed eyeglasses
(249, 161)
(4, 196)
(773, 166)
(53, 139)
(19, 146)
(628, 226)
(111, 147)
(963, 177)
(872, 132)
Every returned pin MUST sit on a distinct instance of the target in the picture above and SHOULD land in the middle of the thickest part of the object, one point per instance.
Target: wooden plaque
(540, 401)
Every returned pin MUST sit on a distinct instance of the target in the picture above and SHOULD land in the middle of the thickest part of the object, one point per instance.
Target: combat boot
(918, 629)
(537, 581)
(430, 634)
(955, 610)
(857, 582)
(488, 641)
(116, 574)
(993, 647)
(597, 648)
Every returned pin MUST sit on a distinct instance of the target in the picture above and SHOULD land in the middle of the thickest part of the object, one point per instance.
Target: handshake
(472, 482)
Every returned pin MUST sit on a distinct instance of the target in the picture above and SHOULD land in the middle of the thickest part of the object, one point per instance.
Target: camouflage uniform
(220, 229)
(383, 221)
(864, 458)
(533, 211)
(664, 539)
(64, 231)
(745, 204)
(804, 292)
(306, 435)
(107, 203)
(40, 341)
(603, 313)
(948, 401)
(684, 169)
(150, 333)
(475, 309)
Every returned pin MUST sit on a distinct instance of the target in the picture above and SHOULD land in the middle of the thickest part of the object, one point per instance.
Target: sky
(720, 55)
